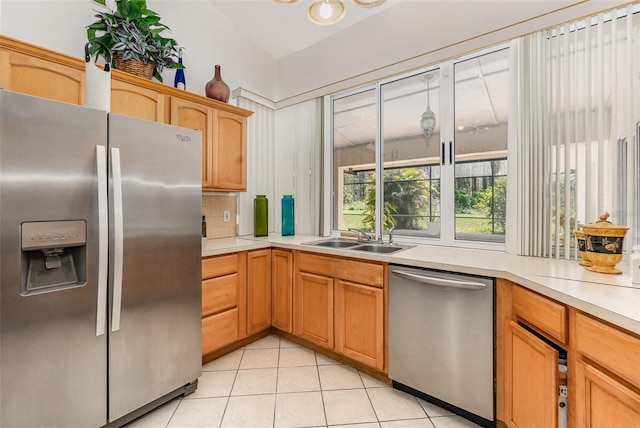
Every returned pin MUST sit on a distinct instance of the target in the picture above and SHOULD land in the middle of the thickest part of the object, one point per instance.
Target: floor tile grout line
(224, 412)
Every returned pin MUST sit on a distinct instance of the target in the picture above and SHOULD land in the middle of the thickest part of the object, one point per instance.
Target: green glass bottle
(261, 216)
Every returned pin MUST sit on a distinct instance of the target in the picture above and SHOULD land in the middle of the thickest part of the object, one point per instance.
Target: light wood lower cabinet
(223, 297)
(607, 374)
(282, 290)
(602, 401)
(531, 380)
(359, 322)
(340, 304)
(258, 290)
(528, 374)
(314, 309)
(603, 364)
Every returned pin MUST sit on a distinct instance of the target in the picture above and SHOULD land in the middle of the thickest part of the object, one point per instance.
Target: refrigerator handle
(103, 243)
(118, 239)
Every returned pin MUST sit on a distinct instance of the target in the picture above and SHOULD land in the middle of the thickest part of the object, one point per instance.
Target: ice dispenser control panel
(53, 234)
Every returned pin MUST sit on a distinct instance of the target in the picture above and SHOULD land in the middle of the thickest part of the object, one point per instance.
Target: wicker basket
(135, 67)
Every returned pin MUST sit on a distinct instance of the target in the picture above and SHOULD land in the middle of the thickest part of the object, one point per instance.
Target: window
(437, 141)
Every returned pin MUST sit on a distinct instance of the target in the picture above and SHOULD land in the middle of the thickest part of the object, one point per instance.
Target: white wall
(413, 34)
(208, 37)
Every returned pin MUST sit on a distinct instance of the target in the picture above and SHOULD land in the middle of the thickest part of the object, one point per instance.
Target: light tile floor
(275, 383)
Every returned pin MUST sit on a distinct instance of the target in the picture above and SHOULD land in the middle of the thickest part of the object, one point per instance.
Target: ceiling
(283, 29)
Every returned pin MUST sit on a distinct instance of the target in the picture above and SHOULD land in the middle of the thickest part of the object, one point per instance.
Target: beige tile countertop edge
(610, 297)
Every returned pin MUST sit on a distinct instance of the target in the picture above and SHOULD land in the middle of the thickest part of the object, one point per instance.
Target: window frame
(447, 134)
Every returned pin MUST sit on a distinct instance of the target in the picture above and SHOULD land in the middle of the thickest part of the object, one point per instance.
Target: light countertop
(612, 298)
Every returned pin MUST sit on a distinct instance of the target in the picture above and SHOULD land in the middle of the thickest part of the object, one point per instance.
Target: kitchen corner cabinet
(35, 71)
(223, 296)
(258, 290)
(224, 142)
(282, 290)
(340, 305)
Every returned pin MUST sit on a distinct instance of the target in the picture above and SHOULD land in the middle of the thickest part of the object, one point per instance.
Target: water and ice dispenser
(54, 255)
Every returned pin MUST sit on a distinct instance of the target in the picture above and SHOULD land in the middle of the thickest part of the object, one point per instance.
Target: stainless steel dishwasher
(441, 340)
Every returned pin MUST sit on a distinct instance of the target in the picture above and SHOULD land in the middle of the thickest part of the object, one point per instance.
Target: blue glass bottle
(179, 81)
(288, 216)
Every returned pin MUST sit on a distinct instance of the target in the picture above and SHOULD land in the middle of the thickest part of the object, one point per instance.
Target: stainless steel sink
(379, 248)
(350, 244)
(333, 243)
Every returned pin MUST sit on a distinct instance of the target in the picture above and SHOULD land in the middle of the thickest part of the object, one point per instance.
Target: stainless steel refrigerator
(100, 293)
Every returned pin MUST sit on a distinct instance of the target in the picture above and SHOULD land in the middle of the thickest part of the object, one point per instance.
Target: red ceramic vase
(216, 88)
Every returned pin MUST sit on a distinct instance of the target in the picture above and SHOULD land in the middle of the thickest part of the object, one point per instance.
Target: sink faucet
(362, 236)
(391, 234)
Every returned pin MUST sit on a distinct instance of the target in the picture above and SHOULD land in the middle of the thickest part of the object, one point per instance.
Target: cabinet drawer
(218, 266)
(351, 270)
(219, 330)
(219, 294)
(614, 349)
(548, 316)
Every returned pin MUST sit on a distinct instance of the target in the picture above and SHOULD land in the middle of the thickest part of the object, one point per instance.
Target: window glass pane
(411, 135)
(354, 135)
(481, 116)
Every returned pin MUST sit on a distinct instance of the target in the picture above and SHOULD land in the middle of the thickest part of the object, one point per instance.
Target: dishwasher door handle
(452, 283)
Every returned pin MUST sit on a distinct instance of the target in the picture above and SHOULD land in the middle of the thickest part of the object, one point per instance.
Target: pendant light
(428, 118)
(326, 12)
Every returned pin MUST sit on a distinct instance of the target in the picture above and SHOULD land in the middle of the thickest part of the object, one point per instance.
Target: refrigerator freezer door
(155, 322)
(53, 365)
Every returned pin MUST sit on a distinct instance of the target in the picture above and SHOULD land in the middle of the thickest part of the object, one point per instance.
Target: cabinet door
(40, 77)
(601, 401)
(196, 116)
(531, 376)
(229, 152)
(282, 289)
(136, 101)
(258, 291)
(314, 309)
(359, 323)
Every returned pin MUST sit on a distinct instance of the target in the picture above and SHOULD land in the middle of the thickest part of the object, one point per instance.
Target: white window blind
(578, 94)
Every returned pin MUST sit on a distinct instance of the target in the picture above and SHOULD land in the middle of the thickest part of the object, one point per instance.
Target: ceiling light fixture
(328, 12)
(428, 118)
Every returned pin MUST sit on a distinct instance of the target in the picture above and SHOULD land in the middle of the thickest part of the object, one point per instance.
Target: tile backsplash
(213, 208)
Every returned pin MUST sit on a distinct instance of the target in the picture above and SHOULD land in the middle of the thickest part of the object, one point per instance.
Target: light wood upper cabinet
(192, 115)
(258, 290)
(229, 152)
(31, 70)
(41, 72)
(138, 101)
(224, 143)
(282, 290)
